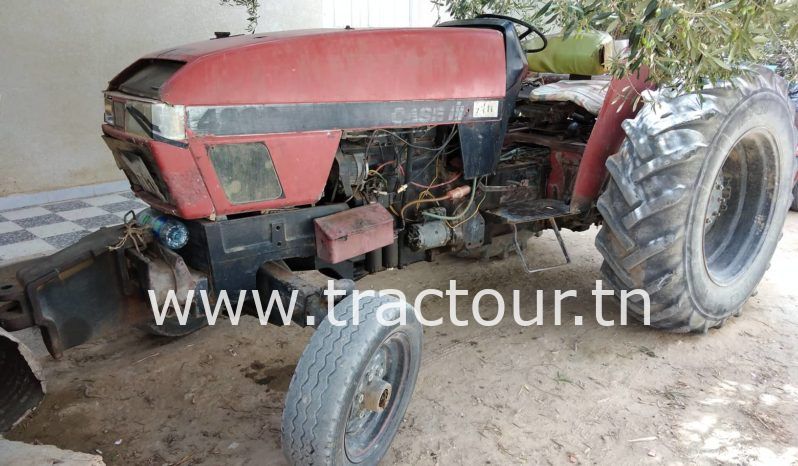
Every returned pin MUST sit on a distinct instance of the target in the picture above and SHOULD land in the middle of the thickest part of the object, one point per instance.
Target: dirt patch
(499, 395)
(276, 378)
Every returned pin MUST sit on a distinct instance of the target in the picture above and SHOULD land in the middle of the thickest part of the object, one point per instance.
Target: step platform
(530, 211)
(547, 210)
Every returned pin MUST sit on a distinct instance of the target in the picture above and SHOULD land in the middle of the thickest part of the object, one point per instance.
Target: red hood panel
(319, 66)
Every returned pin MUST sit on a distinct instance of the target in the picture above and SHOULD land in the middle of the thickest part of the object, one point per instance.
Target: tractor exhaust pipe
(21, 384)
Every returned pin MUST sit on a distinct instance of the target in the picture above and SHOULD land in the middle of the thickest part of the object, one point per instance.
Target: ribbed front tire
(697, 199)
(352, 386)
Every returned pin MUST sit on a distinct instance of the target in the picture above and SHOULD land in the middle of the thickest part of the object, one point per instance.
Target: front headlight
(154, 120)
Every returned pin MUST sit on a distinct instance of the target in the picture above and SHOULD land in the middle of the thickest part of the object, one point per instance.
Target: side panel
(180, 190)
(302, 162)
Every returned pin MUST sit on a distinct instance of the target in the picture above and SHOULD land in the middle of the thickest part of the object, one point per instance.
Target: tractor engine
(417, 174)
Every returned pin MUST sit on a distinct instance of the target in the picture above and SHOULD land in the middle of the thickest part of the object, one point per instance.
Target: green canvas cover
(585, 54)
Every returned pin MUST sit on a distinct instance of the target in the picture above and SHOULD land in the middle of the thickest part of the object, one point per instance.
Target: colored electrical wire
(452, 180)
(461, 214)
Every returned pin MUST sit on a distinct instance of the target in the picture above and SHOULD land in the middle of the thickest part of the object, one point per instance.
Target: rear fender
(607, 136)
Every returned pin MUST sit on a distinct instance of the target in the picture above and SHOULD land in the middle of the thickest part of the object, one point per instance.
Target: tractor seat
(585, 54)
(588, 94)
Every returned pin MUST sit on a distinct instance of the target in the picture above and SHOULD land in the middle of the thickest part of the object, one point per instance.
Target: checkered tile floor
(44, 229)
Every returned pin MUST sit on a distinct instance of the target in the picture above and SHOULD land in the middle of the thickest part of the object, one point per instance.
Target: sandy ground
(499, 395)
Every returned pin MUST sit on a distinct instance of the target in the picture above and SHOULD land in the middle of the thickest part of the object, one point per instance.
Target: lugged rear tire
(674, 225)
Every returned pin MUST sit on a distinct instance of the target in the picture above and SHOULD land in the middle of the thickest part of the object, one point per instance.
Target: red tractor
(347, 152)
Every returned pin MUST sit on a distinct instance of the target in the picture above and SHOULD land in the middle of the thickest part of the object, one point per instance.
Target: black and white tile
(44, 229)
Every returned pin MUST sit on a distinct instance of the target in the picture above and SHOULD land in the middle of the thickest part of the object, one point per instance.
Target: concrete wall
(378, 13)
(56, 57)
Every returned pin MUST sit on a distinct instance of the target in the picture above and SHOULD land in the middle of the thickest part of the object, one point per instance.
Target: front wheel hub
(376, 396)
(375, 402)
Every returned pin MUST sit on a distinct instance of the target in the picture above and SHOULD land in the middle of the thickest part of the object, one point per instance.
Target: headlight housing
(108, 115)
(151, 119)
(155, 120)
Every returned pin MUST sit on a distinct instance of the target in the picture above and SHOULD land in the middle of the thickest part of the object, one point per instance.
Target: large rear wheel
(697, 199)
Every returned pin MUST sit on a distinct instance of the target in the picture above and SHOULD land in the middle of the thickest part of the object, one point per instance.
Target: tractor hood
(324, 66)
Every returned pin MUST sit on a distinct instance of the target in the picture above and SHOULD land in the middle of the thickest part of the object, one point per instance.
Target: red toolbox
(353, 232)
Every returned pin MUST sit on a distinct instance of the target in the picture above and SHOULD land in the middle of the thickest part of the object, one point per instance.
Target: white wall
(56, 57)
(378, 13)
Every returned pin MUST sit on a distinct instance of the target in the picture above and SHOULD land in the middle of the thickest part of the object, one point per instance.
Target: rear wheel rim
(740, 207)
(365, 429)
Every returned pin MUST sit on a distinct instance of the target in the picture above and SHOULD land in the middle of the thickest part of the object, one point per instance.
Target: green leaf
(685, 43)
(718, 62)
(542, 11)
(651, 10)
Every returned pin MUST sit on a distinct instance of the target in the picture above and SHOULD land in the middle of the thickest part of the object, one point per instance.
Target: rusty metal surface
(562, 177)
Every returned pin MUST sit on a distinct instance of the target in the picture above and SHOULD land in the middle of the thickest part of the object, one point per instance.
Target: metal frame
(520, 251)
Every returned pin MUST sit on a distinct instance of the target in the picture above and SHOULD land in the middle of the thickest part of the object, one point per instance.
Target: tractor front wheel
(697, 199)
(352, 385)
